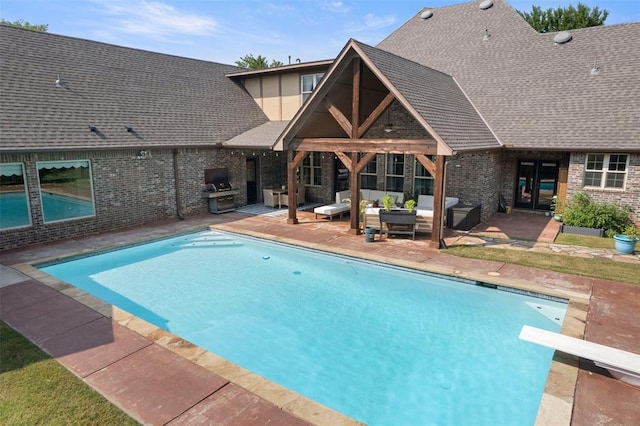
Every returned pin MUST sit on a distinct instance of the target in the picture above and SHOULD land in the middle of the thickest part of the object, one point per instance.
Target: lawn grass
(596, 268)
(585, 241)
(36, 390)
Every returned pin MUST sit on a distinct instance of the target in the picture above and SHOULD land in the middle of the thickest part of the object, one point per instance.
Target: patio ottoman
(331, 210)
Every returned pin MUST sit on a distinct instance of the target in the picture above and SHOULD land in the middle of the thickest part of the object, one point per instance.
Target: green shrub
(581, 211)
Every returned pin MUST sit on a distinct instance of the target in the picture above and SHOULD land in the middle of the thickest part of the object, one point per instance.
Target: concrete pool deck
(160, 379)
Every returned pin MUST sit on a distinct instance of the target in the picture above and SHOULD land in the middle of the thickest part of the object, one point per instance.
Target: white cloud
(156, 19)
(376, 22)
(335, 6)
(371, 22)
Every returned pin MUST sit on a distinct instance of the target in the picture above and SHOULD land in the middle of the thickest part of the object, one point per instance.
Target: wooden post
(354, 182)
(438, 202)
(292, 163)
(354, 187)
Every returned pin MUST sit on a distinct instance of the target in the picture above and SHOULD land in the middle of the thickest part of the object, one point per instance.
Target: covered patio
(350, 116)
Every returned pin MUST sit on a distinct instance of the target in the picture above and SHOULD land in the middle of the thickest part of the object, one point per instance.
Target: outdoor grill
(219, 192)
(220, 186)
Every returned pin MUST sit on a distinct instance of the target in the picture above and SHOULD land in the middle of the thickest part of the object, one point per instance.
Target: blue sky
(225, 30)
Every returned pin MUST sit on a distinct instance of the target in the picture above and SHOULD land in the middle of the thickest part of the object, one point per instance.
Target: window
(606, 170)
(65, 190)
(14, 204)
(423, 181)
(369, 175)
(309, 82)
(395, 173)
(312, 169)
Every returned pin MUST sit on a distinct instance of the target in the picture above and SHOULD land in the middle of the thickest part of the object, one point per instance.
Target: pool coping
(556, 403)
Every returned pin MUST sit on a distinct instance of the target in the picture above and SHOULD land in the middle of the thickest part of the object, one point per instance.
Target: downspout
(176, 184)
(443, 211)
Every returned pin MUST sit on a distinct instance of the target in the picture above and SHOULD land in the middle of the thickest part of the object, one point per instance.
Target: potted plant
(410, 205)
(556, 208)
(398, 221)
(626, 242)
(387, 202)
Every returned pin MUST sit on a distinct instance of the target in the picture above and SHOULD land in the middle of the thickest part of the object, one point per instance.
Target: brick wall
(128, 191)
(476, 178)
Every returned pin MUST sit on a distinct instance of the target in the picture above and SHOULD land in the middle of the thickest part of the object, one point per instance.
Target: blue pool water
(384, 345)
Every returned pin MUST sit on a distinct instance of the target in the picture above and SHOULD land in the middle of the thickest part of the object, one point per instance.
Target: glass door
(537, 184)
(252, 181)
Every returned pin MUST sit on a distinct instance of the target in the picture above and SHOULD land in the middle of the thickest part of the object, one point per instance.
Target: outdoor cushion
(331, 210)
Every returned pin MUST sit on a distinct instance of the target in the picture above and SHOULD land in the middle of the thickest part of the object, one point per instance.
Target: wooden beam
(427, 163)
(345, 160)
(438, 202)
(400, 146)
(375, 114)
(364, 161)
(355, 99)
(338, 116)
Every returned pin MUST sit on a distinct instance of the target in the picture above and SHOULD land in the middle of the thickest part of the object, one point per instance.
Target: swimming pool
(381, 344)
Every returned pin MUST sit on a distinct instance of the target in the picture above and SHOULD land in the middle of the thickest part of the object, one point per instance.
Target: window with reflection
(395, 173)
(14, 204)
(312, 169)
(606, 170)
(423, 181)
(369, 174)
(65, 190)
(308, 84)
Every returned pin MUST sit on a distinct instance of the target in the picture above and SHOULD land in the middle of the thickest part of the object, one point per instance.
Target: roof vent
(486, 4)
(426, 14)
(562, 37)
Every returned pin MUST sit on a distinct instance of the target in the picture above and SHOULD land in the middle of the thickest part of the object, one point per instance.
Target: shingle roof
(437, 98)
(263, 136)
(532, 93)
(167, 100)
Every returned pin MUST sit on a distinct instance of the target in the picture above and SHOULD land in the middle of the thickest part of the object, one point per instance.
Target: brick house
(508, 112)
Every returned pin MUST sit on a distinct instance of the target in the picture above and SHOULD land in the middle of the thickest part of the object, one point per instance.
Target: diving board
(621, 364)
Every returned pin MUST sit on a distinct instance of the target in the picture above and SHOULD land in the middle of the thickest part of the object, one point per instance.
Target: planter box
(398, 222)
(591, 232)
(400, 217)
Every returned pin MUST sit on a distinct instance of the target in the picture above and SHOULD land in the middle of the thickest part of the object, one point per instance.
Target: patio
(110, 349)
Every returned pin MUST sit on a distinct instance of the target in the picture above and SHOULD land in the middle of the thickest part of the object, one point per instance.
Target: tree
(259, 63)
(562, 19)
(21, 23)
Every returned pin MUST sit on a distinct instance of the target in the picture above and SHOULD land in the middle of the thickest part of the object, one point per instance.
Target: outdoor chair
(270, 199)
(284, 199)
(300, 194)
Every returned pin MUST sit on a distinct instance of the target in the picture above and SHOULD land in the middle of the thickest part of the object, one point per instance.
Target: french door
(252, 181)
(537, 184)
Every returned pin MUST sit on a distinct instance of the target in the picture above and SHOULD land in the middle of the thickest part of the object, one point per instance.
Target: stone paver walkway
(546, 247)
